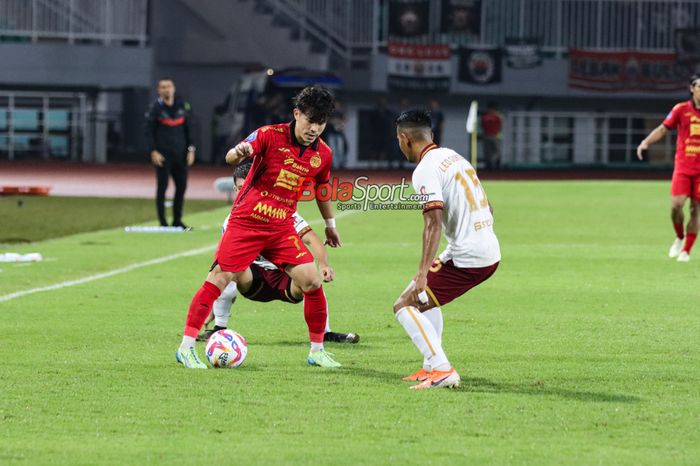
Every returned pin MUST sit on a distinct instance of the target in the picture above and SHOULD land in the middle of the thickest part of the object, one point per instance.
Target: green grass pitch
(582, 349)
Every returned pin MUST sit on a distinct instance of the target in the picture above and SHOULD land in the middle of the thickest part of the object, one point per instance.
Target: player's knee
(310, 283)
(219, 278)
(400, 304)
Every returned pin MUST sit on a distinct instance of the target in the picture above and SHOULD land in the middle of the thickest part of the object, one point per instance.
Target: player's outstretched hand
(327, 272)
(242, 151)
(641, 148)
(332, 237)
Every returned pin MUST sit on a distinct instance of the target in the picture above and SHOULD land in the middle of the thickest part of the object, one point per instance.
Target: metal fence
(45, 125)
(557, 24)
(582, 138)
(602, 24)
(74, 20)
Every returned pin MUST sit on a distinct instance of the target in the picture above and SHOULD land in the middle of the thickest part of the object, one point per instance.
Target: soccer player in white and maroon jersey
(685, 117)
(285, 158)
(454, 198)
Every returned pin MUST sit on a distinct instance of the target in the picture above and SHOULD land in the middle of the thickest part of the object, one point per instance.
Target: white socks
(222, 306)
(316, 347)
(187, 343)
(434, 315)
(424, 336)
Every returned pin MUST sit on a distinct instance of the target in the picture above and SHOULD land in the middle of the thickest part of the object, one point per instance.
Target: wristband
(423, 297)
(330, 223)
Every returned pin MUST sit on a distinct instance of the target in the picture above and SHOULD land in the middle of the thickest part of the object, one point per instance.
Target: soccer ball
(226, 348)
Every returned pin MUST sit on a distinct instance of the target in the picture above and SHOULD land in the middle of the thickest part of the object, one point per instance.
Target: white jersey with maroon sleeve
(448, 181)
(300, 225)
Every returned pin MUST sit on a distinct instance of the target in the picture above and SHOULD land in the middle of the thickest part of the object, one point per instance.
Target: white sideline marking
(111, 273)
(129, 268)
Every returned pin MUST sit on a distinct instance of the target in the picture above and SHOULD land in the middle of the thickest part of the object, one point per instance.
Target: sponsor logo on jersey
(315, 161)
(695, 129)
(287, 179)
(293, 165)
(270, 211)
(284, 149)
(691, 151)
(482, 224)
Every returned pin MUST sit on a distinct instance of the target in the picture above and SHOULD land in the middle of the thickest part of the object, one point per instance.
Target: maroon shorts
(683, 184)
(270, 285)
(241, 245)
(447, 282)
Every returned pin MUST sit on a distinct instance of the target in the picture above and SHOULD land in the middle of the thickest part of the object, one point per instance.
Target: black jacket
(168, 129)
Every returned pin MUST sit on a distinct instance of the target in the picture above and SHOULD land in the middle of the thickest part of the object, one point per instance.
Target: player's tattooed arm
(656, 135)
(239, 153)
(432, 229)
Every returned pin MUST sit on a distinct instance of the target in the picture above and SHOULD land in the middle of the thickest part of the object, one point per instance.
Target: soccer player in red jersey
(286, 157)
(685, 117)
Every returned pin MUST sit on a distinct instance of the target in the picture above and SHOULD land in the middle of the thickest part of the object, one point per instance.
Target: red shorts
(270, 285)
(447, 282)
(241, 245)
(683, 184)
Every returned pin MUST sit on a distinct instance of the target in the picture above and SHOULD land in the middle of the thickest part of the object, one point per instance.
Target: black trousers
(179, 173)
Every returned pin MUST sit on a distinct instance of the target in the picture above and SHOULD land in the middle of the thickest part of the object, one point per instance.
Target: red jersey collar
(293, 139)
(425, 150)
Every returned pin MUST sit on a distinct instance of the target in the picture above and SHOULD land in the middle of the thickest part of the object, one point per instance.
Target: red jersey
(491, 122)
(281, 167)
(686, 118)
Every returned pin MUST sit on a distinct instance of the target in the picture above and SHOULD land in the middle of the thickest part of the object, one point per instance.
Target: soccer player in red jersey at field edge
(453, 197)
(685, 118)
(285, 157)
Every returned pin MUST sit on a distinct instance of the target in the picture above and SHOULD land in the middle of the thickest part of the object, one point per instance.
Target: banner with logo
(479, 66)
(415, 67)
(408, 18)
(461, 17)
(522, 53)
(626, 71)
(688, 45)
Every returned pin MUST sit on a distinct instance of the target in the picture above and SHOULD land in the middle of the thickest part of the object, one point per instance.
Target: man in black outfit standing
(170, 144)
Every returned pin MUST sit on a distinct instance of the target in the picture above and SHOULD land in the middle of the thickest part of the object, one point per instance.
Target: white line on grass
(129, 268)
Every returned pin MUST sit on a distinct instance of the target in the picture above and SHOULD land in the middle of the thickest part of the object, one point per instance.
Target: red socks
(679, 230)
(315, 312)
(200, 308)
(689, 240)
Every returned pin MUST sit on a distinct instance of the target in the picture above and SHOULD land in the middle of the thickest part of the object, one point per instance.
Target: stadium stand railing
(104, 21)
(355, 29)
(555, 138)
(44, 125)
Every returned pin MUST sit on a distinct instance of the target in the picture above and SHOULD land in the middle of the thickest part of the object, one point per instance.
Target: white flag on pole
(471, 117)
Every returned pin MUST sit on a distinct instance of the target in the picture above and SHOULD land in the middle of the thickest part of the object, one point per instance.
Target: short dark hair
(316, 103)
(694, 78)
(166, 78)
(414, 119)
(241, 171)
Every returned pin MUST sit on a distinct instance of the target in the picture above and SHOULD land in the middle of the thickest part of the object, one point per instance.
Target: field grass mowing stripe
(129, 268)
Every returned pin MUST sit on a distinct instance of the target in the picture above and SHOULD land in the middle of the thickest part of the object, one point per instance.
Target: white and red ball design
(227, 349)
